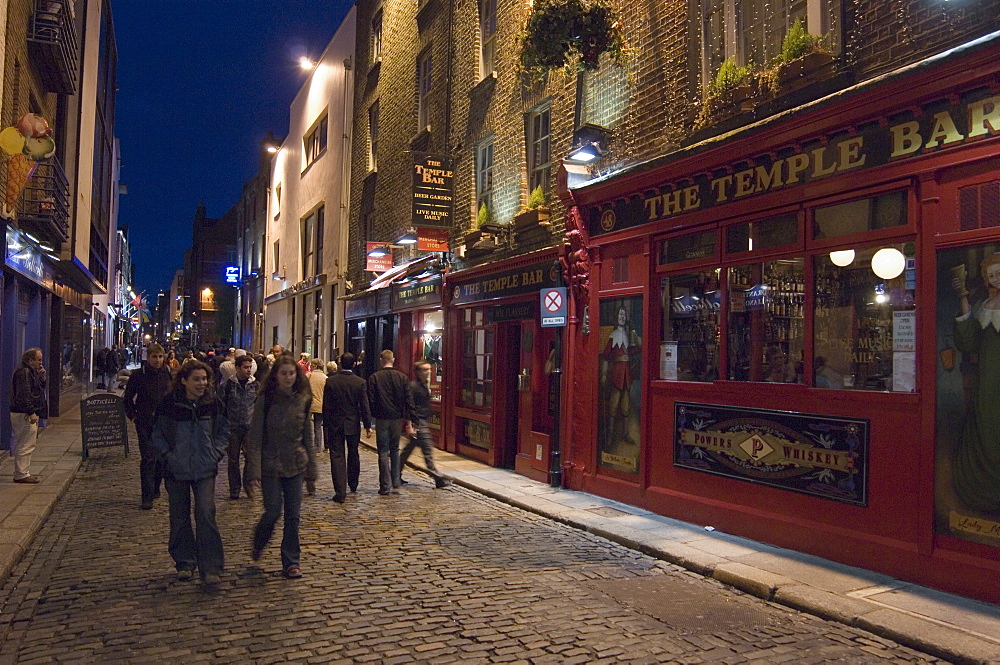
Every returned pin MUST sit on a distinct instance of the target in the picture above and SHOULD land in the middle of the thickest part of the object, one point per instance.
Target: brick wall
(649, 105)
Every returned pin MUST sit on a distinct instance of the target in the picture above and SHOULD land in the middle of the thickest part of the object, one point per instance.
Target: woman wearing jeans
(191, 433)
(280, 455)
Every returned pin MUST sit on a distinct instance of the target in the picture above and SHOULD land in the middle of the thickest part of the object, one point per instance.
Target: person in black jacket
(419, 429)
(145, 388)
(391, 403)
(29, 408)
(191, 433)
(345, 410)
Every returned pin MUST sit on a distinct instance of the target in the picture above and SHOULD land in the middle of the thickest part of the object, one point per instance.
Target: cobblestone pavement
(428, 576)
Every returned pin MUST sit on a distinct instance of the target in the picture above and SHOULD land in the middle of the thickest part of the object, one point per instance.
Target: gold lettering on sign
(944, 131)
(766, 179)
(906, 138)
(979, 117)
(818, 157)
(721, 187)
(850, 154)
(796, 165)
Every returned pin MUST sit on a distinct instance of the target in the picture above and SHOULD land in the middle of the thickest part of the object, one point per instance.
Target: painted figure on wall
(620, 385)
(968, 466)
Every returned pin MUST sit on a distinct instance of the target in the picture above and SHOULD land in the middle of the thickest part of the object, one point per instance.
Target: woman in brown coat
(280, 456)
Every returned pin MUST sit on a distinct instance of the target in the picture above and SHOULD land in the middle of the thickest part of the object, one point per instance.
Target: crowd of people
(275, 415)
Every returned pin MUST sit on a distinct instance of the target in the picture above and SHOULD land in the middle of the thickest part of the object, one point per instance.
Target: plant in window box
(803, 57)
(729, 94)
(482, 237)
(570, 34)
(536, 214)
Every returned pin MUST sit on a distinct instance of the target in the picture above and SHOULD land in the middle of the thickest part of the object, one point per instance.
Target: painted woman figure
(976, 473)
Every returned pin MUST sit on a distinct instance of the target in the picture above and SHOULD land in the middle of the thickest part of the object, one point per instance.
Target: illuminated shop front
(792, 331)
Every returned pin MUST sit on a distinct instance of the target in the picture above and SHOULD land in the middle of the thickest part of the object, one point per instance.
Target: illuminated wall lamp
(590, 142)
(409, 238)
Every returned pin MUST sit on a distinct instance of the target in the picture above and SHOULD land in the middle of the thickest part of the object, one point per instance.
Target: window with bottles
(689, 335)
(864, 326)
(747, 303)
(477, 359)
(766, 321)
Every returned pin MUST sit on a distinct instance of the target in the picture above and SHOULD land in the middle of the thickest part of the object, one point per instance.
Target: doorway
(509, 346)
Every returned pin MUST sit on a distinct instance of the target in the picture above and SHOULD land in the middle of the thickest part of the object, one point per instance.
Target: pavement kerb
(915, 632)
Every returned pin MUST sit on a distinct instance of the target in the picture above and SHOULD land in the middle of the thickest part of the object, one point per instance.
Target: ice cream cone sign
(26, 143)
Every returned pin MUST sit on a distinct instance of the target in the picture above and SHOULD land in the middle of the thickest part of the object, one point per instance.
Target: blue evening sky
(200, 84)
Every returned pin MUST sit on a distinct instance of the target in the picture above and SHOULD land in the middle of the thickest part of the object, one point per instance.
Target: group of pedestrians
(186, 423)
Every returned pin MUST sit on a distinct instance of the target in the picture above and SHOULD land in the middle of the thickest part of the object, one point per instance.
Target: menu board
(102, 421)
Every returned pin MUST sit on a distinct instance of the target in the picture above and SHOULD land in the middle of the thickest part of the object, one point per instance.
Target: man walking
(419, 428)
(145, 388)
(29, 408)
(317, 383)
(238, 394)
(345, 410)
(391, 403)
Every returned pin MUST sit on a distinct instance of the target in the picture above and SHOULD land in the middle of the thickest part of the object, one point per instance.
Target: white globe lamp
(844, 257)
(888, 263)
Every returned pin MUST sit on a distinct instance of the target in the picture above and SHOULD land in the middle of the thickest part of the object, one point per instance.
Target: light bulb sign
(232, 275)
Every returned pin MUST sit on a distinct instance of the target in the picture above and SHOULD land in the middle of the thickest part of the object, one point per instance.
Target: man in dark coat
(391, 403)
(29, 408)
(145, 388)
(345, 410)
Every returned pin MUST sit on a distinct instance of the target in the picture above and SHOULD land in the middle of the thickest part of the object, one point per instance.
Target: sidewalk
(941, 624)
(944, 625)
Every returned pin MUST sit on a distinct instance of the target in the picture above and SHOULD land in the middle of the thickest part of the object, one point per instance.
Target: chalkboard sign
(103, 422)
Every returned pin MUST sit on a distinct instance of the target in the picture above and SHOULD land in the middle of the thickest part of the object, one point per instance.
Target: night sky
(200, 84)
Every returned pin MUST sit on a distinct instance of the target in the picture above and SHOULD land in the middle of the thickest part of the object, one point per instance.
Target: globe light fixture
(888, 263)
(844, 257)
(306, 64)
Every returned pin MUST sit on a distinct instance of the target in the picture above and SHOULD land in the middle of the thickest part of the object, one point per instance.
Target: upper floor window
(487, 37)
(314, 142)
(424, 65)
(373, 136)
(484, 174)
(376, 37)
(538, 148)
(753, 30)
(308, 243)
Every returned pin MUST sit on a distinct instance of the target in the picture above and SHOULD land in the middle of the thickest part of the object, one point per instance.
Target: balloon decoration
(27, 143)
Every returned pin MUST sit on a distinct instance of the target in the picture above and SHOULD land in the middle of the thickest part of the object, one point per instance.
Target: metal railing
(53, 45)
(44, 205)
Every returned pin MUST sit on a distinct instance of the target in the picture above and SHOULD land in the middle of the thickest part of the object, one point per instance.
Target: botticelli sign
(102, 422)
(810, 454)
(943, 124)
(433, 191)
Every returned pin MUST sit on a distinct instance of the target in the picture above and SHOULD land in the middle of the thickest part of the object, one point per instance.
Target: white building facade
(306, 252)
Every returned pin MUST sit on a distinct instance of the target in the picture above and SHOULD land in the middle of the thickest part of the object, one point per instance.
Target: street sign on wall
(378, 263)
(553, 306)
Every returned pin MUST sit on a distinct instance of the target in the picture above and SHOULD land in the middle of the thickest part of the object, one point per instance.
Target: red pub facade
(791, 329)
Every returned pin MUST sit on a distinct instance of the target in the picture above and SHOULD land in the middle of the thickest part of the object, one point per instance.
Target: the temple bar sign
(910, 133)
(433, 191)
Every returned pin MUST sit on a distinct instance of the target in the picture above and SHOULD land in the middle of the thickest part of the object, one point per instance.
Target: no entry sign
(553, 306)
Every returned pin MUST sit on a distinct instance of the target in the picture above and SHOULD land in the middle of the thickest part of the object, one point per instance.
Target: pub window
(689, 334)
(373, 136)
(477, 359)
(762, 234)
(314, 142)
(870, 214)
(751, 31)
(766, 321)
(424, 80)
(307, 242)
(538, 148)
(487, 37)
(484, 174)
(865, 319)
(376, 38)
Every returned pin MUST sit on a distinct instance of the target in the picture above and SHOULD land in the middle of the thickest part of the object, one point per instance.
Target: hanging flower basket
(571, 34)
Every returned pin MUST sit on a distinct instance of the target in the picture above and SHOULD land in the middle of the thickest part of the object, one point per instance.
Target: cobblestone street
(432, 576)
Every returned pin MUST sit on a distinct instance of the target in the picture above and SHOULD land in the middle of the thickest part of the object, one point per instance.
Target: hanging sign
(433, 191)
(553, 306)
(377, 263)
(432, 240)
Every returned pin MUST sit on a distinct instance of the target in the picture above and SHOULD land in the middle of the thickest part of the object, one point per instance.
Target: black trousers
(345, 462)
(150, 466)
(426, 442)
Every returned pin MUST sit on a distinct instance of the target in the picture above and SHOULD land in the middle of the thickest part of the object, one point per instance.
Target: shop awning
(393, 276)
